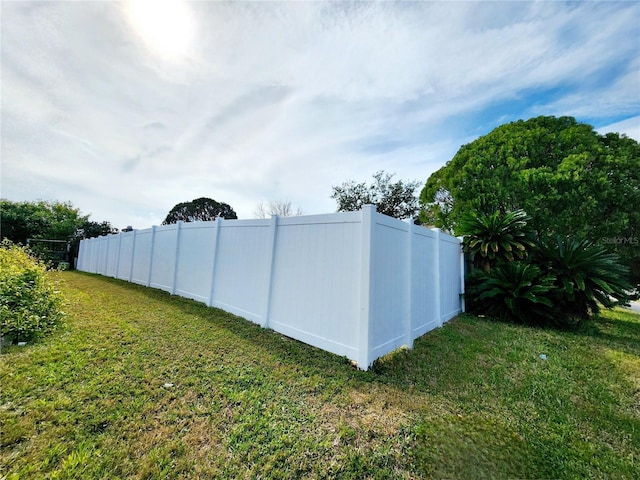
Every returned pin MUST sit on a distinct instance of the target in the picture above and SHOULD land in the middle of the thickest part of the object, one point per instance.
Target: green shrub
(561, 285)
(515, 292)
(30, 306)
(493, 238)
(586, 276)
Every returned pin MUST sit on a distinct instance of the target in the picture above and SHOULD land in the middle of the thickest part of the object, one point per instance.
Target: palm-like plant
(495, 237)
(512, 291)
(587, 276)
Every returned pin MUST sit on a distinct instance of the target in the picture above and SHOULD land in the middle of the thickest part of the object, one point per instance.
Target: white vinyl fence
(358, 284)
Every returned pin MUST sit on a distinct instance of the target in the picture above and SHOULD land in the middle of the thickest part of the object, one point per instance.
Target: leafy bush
(586, 276)
(517, 279)
(29, 304)
(516, 292)
(496, 237)
(561, 285)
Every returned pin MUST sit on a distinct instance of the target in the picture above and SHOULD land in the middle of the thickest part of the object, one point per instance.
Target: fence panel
(242, 272)
(196, 253)
(163, 257)
(315, 271)
(127, 240)
(390, 284)
(103, 248)
(450, 259)
(113, 244)
(85, 256)
(142, 256)
(423, 304)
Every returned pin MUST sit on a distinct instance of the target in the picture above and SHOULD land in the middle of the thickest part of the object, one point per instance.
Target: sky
(125, 109)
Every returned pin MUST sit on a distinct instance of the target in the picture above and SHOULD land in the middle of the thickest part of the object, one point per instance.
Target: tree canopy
(90, 229)
(394, 199)
(199, 210)
(51, 221)
(569, 179)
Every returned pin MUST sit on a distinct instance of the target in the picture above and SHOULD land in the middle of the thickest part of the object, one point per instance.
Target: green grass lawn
(140, 384)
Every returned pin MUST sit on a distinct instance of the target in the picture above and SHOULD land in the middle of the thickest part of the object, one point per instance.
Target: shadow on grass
(288, 351)
(617, 329)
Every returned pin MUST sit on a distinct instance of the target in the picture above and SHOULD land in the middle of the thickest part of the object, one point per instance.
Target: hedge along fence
(358, 284)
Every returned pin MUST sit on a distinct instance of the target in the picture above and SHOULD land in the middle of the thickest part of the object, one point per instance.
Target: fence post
(462, 268)
(409, 319)
(105, 267)
(436, 278)
(118, 255)
(366, 282)
(97, 267)
(100, 248)
(133, 256)
(216, 233)
(90, 254)
(175, 262)
(91, 268)
(271, 254)
(153, 240)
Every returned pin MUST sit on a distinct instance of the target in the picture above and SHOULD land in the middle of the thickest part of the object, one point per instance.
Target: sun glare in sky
(165, 26)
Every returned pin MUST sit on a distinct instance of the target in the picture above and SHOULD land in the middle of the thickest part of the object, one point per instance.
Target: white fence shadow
(358, 284)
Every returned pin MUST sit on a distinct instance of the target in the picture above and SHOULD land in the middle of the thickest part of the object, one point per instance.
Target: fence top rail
(449, 238)
(321, 219)
(252, 222)
(387, 221)
(193, 225)
(166, 228)
(425, 232)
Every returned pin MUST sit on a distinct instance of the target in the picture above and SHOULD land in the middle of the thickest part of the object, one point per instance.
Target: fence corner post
(366, 284)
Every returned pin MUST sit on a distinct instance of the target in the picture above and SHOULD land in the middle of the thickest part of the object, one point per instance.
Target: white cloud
(284, 100)
(629, 127)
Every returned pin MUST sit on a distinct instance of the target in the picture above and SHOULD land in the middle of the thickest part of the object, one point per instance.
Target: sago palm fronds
(492, 238)
(515, 292)
(587, 276)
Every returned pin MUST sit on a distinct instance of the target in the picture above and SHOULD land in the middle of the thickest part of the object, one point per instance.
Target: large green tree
(569, 179)
(199, 210)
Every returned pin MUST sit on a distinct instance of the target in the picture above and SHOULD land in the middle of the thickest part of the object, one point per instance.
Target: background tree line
(44, 220)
